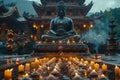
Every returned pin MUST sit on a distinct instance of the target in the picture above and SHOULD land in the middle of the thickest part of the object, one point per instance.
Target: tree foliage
(114, 14)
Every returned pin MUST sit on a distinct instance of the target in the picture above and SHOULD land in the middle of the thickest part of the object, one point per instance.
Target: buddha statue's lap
(61, 28)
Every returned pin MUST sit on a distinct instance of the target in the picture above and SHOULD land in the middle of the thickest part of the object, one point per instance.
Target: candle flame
(26, 75)
(102, 75)
(76, 74)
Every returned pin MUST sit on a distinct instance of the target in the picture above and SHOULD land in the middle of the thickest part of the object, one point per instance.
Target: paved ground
(112, 59)
(115, 60)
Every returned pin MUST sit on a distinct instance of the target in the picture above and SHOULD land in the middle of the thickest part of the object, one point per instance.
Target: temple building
(10, 19)
(7, 16)
(76, 9)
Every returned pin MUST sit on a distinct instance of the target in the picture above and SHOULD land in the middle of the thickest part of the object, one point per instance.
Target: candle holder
(93, 75)
(77, 78)
(51, 77)
(103, 77)
(89, 70)
(35, 75)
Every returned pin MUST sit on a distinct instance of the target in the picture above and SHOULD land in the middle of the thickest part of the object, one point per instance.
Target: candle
(20, 68)
(86, 62)
(48, 68)
(33, 64)
(73, 42)
(60, 42)
(104, 68)
(68, 42)
(27, 67)
(116, 70)
(17, 61)
(92, 64)
(8, 73)
(36, 63)
(53, 42)
(82, 60)
(96, 67)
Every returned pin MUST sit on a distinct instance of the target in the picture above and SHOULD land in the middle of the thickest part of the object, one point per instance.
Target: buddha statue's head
(61, 9)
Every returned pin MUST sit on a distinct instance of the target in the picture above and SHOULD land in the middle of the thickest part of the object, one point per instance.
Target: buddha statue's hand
(61, 34)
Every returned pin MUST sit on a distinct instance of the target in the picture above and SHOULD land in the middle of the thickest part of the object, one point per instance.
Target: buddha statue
(61, 27)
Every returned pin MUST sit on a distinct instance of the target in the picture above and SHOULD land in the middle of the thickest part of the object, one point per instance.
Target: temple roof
(10, 12)
(80, 2)
(84, 9)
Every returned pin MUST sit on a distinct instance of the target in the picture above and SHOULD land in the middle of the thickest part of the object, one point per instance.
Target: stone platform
(63, 47)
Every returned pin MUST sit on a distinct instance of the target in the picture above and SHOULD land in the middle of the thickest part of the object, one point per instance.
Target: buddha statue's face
(61, 13)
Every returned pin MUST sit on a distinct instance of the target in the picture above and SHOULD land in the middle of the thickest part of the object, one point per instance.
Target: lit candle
(92, 64)
(48, 68)
(27, 67)
(73, 42)
(86, 62)
(17, 61)
(33, 64)
(53, 42)
(68, 42)
(8, 73)
(37, 63)
(82, 60)
(60, 42)
(20, 68)
(104, 68)
(116, 70)
(96, 67)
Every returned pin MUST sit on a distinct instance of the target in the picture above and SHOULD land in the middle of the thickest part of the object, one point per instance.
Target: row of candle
(68, 42)
(93, 65)
(23, 68)
(76, 63)
(91, 70)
